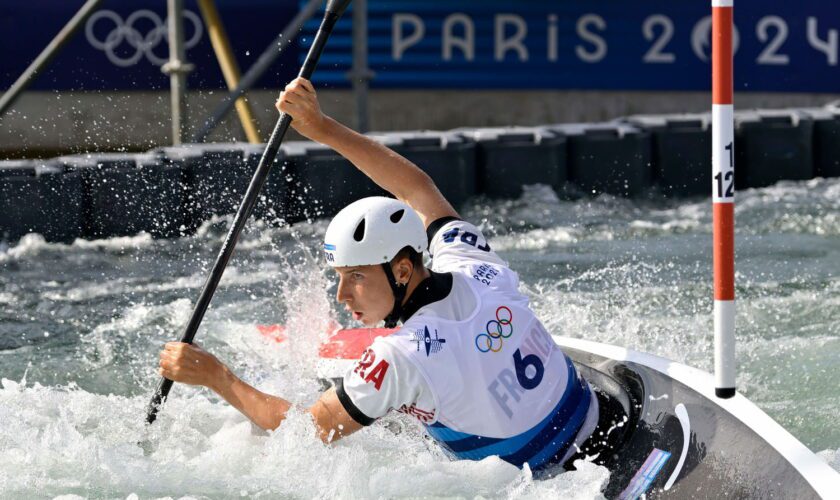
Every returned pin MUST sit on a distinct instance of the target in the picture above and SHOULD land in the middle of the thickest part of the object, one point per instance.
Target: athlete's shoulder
(392, 349)
(455, 242)
(394, 341)
(383, 379)
(452, 233)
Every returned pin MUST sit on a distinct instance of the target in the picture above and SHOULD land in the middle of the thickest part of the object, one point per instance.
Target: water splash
(629, 272)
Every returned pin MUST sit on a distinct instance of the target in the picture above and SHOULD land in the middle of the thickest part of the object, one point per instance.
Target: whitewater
(81, 326)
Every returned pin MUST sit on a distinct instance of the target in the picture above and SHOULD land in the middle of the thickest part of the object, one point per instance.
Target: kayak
(341, 343)
(676, 438)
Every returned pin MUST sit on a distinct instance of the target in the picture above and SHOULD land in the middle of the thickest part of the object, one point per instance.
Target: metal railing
(177, 67)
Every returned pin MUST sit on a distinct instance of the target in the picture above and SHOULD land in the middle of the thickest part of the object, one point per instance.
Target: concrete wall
(44, 124)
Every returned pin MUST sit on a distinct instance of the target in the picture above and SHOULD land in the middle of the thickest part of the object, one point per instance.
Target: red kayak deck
(342, 343)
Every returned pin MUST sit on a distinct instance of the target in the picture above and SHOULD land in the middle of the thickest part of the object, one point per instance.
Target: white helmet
(372, 231)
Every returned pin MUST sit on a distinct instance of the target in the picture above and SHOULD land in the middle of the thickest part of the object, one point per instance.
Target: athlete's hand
(190, 364)
(300, 101)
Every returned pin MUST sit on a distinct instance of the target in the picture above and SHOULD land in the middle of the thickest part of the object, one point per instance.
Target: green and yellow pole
(230, 70)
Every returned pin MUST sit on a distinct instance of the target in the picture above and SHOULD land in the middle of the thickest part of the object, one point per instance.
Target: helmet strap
(399, 295)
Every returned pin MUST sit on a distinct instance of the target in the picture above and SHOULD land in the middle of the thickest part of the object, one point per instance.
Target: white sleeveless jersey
(477, 367)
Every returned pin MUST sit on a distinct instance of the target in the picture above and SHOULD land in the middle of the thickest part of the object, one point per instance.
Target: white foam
(33, 244)
(82, 442)
(140, 240)
(28, 245)
(831, 457)
(537, 239)
(65, 441)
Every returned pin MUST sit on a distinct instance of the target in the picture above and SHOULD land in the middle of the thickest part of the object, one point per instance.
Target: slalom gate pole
(334, 10)
(723, 197)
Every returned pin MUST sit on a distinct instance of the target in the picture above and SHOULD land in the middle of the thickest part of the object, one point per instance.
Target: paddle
(333, 12)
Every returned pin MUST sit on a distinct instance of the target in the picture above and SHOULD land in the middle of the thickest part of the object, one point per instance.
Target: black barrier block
(826, 140)
(124, 194)
(682, 152)
(161, 194)
(20, 198)
(321, 182)
(272, 205)
(37, 197)
(61, 198)
(215, 178)
(611, 158)
(771, 146)
(511, 157)
(447, 157)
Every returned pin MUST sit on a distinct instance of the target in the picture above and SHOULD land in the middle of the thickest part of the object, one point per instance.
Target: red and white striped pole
(723, 197)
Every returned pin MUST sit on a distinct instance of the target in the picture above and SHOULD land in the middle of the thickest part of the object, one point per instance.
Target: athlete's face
(365, 292)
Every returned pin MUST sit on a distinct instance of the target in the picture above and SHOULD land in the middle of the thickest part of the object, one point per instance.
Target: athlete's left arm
(332, 419)
(267, 411)
(190, 364)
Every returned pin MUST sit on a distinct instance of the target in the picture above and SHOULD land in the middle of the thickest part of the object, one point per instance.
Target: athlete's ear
(403, 269)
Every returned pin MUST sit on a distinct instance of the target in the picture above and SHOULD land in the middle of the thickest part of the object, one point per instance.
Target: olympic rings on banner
(125, 32)
(497, 330)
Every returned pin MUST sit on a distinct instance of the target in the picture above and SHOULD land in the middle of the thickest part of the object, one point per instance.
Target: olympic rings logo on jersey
(125, 32)
(497, 330)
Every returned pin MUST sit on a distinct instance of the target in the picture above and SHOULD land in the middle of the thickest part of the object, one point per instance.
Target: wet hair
(415, 257)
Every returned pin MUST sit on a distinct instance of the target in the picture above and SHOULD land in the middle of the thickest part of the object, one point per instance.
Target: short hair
(415, 257)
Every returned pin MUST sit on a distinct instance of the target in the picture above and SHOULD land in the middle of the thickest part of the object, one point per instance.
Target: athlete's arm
(385, 167)
(332, 419)
(189, 364)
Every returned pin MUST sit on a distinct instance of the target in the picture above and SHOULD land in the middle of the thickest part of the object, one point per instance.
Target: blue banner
(526, 44)
(123, 45)
(593, 44)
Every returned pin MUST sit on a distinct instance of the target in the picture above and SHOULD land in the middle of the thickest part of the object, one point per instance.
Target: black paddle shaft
(334, 10)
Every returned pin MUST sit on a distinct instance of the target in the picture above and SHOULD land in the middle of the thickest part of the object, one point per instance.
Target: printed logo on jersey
(527, 373)
(467, 237)
(432, 345)
(375, 375)
(485, 273)
(497, 331)
(421, 415)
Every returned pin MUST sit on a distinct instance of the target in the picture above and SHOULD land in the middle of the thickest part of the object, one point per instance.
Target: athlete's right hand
(190, 364)
(300, 101)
